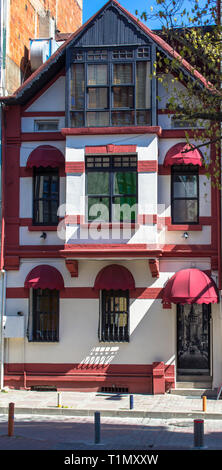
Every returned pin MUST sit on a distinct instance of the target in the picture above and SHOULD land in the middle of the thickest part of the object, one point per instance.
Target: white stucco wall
(152, 328)
(52, 100)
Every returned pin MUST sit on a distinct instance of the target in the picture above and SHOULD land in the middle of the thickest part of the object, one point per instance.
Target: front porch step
(194, 378)
(194, 392)
(193, 385)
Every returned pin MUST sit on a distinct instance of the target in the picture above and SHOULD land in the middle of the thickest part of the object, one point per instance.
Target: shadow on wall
(100, 356)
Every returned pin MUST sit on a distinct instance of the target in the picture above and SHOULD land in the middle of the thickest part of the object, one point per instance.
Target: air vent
(43, 388)
(114, 390)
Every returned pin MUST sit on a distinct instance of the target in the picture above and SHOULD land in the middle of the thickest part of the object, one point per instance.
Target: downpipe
(2, 314)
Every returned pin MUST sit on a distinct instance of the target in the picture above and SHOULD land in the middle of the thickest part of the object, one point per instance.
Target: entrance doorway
(193, 339)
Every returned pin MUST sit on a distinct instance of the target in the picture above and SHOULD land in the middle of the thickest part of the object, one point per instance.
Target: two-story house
(112, 239)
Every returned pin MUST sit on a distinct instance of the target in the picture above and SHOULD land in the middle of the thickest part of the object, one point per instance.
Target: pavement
(110, 405)
(160, 422)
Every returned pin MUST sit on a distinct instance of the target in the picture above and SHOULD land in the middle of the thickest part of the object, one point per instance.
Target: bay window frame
(109, 61)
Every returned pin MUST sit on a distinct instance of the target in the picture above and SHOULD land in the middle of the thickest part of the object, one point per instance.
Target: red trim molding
(181, 133)
(167, 222)
(214, 263)
(42, 113)
(73, 267)
(85, 292)
(148, 166)
(165, 111)
(147, 219)
(154, 267)
(162, 170)
(41, 136)
(156, 378)
(112, 130)
(74, 167)
(110, 149)
(12, 263)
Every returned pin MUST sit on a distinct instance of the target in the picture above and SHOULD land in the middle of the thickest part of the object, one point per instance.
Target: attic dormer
(109, 70)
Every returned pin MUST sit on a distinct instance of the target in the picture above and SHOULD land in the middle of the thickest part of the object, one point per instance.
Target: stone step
(193, 385)
(195, 392)
(194, 378)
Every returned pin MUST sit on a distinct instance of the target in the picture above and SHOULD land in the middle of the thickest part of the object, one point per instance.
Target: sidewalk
(110, 405)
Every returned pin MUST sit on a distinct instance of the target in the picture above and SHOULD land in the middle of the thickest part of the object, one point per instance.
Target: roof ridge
(153, 36)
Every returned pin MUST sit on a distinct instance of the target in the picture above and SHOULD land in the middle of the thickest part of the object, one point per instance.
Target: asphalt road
(78, 433)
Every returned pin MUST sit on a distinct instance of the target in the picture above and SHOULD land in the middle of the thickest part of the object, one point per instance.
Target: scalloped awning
(190, 286)
(183, 153)
(44, 277)
(45, 155)
(114, 277)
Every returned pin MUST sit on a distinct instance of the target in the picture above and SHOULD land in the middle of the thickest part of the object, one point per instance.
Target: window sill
(106, 225)
(42, 228)
(187, 228)
(43, 341)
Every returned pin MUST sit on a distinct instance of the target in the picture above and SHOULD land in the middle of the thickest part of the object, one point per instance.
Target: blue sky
(92, 6)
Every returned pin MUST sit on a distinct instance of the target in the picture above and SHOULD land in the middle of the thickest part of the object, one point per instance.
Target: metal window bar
(115, 323)
(45, 322)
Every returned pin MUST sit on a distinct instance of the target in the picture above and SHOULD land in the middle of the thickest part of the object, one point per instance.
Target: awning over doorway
(190, 286)
(45, 155)
(114, 277)
(44, 277)
(175, 155)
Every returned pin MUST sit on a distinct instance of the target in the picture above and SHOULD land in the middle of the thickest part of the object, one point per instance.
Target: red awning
(114, 277)
(175, 155)
(45, 155)
(44, 277)
(190, 286)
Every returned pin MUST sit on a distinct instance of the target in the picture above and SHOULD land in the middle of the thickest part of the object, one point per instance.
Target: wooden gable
(111, 27)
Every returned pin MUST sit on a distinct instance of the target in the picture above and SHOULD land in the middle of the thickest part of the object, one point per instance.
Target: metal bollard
(97, 427)
(131, 402)
(11, 419)
(59, 400)
(204, 403)
(198, 433)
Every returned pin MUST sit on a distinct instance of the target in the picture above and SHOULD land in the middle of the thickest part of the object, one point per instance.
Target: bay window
(110, 88)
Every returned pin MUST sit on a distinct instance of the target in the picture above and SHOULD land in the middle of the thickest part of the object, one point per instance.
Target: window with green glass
(111, 188)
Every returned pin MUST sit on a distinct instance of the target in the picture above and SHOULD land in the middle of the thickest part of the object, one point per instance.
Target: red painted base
(156, 378)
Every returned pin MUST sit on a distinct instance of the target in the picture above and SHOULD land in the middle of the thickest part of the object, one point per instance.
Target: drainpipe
(3, 302)
(2, 271)
(2, 240)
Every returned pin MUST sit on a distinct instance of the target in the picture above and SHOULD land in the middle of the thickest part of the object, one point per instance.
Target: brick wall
(24, 18)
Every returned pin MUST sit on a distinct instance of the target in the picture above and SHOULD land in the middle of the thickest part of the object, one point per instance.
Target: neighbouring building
(112, 233)
(22, 20)
(30, 32)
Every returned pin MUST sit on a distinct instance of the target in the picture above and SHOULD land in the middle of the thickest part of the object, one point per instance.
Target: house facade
(112, 231)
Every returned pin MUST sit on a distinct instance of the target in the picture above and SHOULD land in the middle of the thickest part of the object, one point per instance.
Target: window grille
(114, 321)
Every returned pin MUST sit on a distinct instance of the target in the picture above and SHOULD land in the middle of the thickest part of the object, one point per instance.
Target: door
(193, 339)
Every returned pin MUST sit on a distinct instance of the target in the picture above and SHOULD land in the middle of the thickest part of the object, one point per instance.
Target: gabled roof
(54, 64)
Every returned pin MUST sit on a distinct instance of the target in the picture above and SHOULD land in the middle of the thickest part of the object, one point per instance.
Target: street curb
(113, 413)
